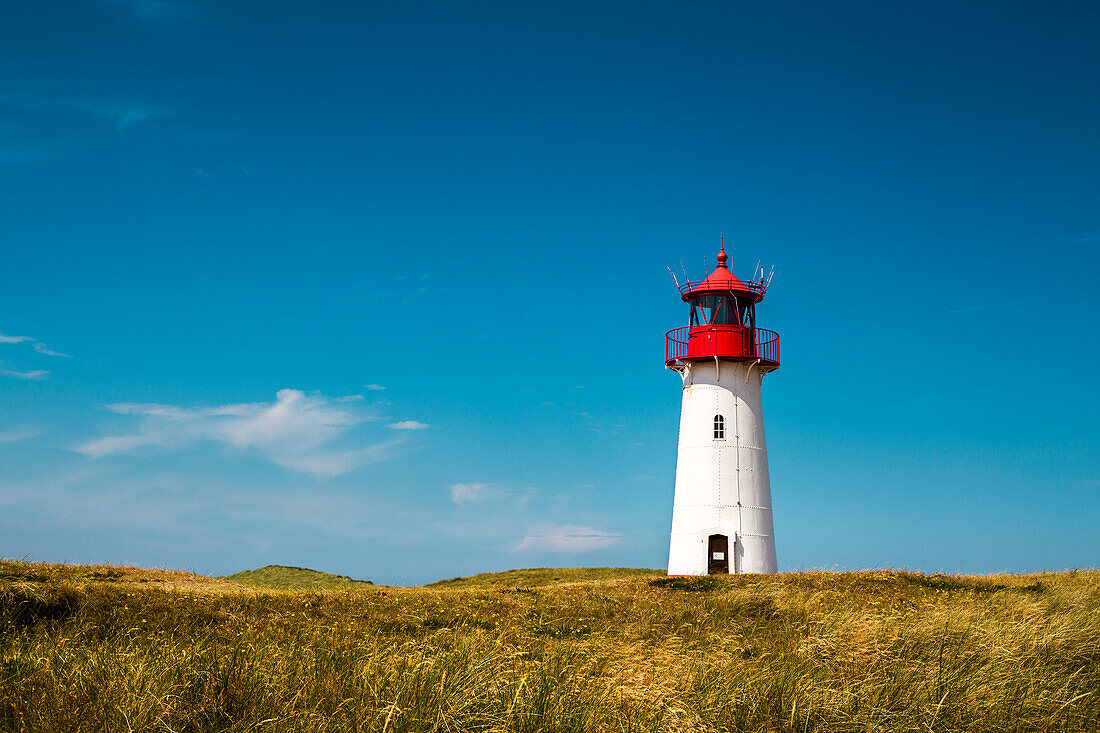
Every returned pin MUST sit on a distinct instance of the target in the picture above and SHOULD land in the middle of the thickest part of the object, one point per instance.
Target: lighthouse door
(718, 556)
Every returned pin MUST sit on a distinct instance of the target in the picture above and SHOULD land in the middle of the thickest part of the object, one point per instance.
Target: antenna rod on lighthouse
(670, 272)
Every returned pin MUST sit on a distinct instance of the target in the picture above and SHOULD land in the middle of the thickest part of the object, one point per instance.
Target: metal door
(718, 556)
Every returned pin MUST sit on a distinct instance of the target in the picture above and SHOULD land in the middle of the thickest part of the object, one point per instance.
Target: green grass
(535, 577)
(291, 578)
(99, 648)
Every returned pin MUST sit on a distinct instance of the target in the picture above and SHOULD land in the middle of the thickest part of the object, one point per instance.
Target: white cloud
(375, 387)
(297, 431)
(88, 115)
(568, 538)
(35, 344)
(14, 434)
(408, 425)
(37, 374)
(121, 116)
(41, 349)
(176, 505)
(468, 493)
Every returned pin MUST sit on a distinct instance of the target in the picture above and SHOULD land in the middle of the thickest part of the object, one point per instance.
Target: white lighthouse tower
(722, 511)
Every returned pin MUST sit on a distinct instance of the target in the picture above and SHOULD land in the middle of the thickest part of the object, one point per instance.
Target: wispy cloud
(567, 538)
(12, 435)
(41, 111)
(174, 505)
(408, 425)
(36, 375)
(35, 344)
(43, 129)
(469, 493)
(41, 349)
(297, 431)
(375, 387)
(120, 117)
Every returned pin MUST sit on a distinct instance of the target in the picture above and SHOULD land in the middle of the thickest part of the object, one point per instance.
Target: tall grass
(880, 651)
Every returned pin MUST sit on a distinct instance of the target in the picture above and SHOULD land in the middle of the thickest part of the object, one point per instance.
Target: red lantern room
(723, 322)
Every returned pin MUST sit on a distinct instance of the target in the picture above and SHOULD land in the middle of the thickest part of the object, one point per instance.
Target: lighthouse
(722, 510)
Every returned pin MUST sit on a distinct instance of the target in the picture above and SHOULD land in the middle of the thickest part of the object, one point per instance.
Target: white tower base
(722, 484)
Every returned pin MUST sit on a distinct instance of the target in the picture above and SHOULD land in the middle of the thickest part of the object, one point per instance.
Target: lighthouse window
(719, 427)
(715, 310)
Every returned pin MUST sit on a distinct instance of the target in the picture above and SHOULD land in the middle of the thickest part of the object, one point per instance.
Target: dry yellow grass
(129, 649)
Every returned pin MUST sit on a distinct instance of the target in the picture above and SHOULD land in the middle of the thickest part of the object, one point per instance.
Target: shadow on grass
(938, 581)
(696, 583)
(23, 607)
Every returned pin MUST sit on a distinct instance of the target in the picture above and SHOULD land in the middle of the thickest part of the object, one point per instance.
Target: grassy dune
(291, 578)
(97, 648)
(537, 577)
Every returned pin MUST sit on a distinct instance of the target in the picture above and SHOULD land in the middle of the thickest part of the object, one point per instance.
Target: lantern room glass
(722, 310)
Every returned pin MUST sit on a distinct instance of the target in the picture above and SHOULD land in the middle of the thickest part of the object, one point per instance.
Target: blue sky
(381, 289)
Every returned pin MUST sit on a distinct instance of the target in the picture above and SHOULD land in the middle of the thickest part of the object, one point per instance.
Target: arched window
(719, 427)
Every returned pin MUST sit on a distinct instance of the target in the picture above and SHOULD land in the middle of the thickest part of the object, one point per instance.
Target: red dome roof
(721, 280)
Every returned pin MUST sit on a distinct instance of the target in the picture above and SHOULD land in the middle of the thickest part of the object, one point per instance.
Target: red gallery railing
(725, 342)
(751, 286)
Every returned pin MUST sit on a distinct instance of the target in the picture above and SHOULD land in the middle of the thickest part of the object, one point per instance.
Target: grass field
(121, 649)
